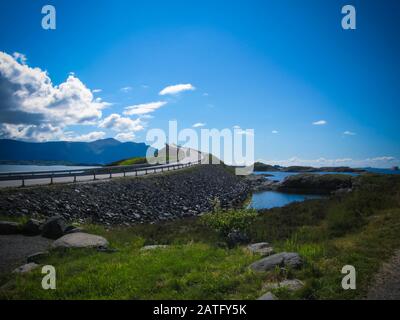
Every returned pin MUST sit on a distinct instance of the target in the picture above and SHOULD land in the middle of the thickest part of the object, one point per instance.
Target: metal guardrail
(74, 173)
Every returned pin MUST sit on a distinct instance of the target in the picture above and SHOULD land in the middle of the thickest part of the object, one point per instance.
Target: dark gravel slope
(130, 200)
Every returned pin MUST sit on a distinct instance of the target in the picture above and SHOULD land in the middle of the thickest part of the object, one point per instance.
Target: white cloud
(198, 125)
(29, 97)
(97, 90)
(320, 123)
(349, 133)
(245, 132)
(31, 132)
(236, 127)
(275, 131)
(44, 132)
(144, 108)
(126, 89)
(175, 89)
(205, 94)
(121, 124)
(125, 136)
(21, 58)
(377, 162)
(91, 136)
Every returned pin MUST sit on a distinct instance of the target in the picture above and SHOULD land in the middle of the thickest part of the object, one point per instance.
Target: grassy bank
(360, 229)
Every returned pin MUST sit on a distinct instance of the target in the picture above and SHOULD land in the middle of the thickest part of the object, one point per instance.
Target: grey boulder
(283, 259)
(153, 247)
(54, 227)
(262, 248)
(37, 257)
(267, 296)
(290, 284)
(26, 268)
(80, 240)
(73, 229)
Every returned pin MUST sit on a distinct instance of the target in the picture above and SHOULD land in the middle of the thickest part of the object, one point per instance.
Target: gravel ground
(14, 249)
(387, 282)
(130, 200)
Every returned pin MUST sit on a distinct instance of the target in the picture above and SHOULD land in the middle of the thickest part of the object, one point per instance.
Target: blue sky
(271, 66)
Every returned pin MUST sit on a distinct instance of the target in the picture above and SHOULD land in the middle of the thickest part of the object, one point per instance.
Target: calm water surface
(271, 199)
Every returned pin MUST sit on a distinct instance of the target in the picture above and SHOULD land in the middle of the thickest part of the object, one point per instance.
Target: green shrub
(226, 221)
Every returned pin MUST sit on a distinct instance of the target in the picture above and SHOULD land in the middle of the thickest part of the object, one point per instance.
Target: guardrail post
(145, 171)
(124, 174)
(74, 178)
(94, 175)
(51, 178)
(23, 182)
(110, 174)
(136, 173)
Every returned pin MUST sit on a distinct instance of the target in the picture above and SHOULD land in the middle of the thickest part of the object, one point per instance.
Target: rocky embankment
(317, 184)
(303, 183)
(130, 200)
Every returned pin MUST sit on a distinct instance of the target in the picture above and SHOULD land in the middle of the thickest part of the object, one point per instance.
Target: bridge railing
(93, 172)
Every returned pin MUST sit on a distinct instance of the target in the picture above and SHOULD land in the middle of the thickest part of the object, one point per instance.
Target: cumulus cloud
(33, 108)
(144, 108)
(20, 57)
(91, 136)
(121, 124)
(376, 162)
(199, 124)
(27, 96)
(320, 123)
(175, 89)
(125, 136)
(30, 132)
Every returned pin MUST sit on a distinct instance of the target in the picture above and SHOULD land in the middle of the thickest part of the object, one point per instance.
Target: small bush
(226, 221)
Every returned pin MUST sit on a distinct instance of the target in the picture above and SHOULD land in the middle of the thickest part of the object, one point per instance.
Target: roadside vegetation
(360, 228)
(129, 162)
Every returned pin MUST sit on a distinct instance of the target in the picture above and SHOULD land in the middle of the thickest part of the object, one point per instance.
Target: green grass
(360, 229)
(190, 271)
(130, 161)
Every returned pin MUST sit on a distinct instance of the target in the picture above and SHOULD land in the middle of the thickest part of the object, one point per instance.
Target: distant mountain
(96, 152)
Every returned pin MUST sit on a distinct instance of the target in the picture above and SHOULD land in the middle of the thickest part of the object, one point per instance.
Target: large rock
(262, 248)
(26, 268)
(290, 284)
(80, 240)
(316, 183)
(37, 257)
(268, 296)
(73, 229)
(283, 259)
(32, 227)
(153, 247)
(7, 227)
(54, 227)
